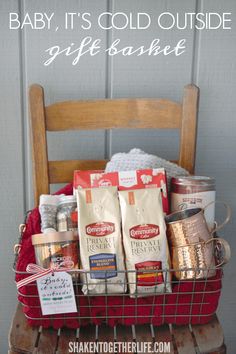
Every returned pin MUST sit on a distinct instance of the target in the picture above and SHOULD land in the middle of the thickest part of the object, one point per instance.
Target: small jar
(54, 248)
(67, 214)
(194, 192)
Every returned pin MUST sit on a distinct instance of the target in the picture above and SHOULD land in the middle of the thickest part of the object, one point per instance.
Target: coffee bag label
(88, 196)
(144, 231)
(100, 229)
(149, 273)
(131, 198)
(145, 243)
(104, 266)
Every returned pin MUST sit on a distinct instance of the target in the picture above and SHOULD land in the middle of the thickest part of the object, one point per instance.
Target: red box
(148, 178)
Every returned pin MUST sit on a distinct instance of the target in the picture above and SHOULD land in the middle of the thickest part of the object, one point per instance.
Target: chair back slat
(110, 114)
(62, 171)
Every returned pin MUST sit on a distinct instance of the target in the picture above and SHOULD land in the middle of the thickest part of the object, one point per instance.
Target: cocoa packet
(145, 242)
(100, 241)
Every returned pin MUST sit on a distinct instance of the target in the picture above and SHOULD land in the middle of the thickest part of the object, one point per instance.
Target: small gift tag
(56, 293)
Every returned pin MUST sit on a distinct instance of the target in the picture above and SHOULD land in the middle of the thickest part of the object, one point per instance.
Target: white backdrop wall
(209, 63)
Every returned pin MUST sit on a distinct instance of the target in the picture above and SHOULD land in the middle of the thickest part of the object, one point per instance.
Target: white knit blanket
(137, 159)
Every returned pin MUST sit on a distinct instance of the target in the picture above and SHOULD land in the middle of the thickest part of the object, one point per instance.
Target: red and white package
(125, 180)
(82, 179)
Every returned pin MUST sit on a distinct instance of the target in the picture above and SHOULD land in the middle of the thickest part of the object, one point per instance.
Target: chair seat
(182, 339)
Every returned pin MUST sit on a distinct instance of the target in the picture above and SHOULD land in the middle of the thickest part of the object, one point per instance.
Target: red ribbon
(41, 272)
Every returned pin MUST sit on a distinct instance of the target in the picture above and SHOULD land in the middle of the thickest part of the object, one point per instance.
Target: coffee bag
(100, 241)
(145, 243)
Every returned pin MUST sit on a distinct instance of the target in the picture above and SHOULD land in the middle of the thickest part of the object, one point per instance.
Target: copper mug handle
(227, 252)
(228, 215)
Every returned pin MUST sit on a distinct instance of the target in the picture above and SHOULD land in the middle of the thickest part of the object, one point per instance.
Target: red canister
(194, 192)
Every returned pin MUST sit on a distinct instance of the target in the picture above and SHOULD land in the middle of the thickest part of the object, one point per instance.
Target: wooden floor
(24, 339)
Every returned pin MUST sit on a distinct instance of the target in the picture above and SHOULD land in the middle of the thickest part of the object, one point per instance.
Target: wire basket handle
(228, 215)
(223, 245)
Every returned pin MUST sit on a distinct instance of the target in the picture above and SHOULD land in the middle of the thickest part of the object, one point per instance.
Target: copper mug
(193, 246)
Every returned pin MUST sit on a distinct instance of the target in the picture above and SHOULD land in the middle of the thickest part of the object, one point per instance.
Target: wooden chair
(109, 114)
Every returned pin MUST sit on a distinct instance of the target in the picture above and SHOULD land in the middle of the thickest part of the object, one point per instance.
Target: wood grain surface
(182, 339)
(111, 114)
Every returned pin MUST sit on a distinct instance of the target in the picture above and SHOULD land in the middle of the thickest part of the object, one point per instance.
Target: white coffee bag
(145, 242)
(100, 241)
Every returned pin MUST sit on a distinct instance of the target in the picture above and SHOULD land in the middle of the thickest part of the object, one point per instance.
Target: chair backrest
(105, 114)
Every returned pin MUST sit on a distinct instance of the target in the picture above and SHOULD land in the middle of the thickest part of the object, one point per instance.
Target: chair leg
(221, 350)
